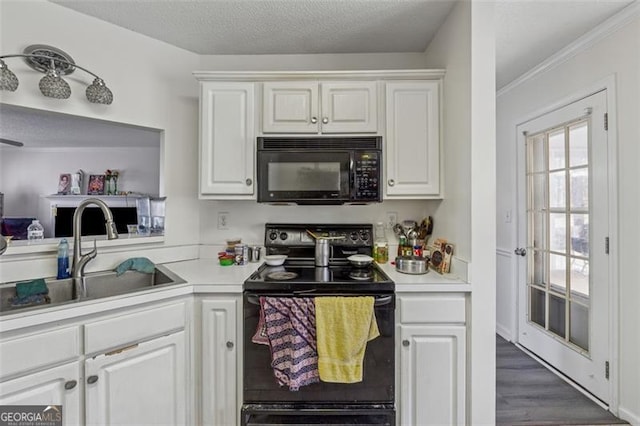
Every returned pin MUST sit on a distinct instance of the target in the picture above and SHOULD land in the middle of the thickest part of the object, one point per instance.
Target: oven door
(312, 177)
(377, 386)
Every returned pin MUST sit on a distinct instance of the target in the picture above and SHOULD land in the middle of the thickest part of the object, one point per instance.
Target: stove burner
(282, 275)
(361, 274)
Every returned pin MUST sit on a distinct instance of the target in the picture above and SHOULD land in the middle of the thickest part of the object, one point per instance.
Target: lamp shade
(8, 80)
(99, 93)
(53, 86)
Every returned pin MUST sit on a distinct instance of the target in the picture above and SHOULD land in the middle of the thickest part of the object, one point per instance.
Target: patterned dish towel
(290, 324)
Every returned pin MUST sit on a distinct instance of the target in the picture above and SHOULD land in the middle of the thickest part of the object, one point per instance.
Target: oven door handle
(379, 300)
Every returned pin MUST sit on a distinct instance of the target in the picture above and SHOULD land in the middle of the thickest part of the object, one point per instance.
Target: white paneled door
(563, 239)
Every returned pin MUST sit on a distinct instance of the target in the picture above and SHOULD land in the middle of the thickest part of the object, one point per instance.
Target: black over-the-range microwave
(319, 170)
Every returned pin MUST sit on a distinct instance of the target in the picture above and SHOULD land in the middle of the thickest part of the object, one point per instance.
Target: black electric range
(299, 273)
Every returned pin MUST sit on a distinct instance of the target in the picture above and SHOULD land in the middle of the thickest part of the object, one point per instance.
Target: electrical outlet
(223, 220)
(392, 219)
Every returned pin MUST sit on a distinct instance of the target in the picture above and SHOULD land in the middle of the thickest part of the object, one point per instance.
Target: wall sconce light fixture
(54, 63)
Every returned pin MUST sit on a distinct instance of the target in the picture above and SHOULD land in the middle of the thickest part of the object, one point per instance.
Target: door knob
(405, 343)
(70, 384)
(391, 182)
(92, 379)
(230, 345)
(325, 120)
(520, 251)
(314, 120)
(248, 182)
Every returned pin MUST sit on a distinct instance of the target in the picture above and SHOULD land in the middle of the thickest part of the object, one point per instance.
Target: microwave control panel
(367, 176)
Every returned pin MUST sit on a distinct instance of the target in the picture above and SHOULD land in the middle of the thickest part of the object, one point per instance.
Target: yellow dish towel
(344, 325)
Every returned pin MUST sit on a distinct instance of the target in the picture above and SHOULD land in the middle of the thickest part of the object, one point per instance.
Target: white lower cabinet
(432, 360)
(220, 341)
(138, 384)
(55, 386)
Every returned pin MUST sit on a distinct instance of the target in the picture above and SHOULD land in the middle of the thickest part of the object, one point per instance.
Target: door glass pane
(580, 234)
(537, 306)
(557, 190)
(539, 231)
(537, 160)
(558, 227)
(578, 144)
(557, 315)
(579, 333)
(558, 272)
(539, 191)
(579, 188)
(538, 269)
(556, 150)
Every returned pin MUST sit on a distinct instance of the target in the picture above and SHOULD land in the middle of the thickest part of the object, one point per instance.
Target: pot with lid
(414, 265)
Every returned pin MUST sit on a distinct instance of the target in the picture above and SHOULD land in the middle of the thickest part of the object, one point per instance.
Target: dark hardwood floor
(529, 394)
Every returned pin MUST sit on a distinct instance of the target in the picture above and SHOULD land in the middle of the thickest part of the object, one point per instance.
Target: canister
(242, 254)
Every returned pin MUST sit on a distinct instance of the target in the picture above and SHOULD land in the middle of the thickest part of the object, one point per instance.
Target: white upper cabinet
(227, 140)
(412, 140)
(320, 107)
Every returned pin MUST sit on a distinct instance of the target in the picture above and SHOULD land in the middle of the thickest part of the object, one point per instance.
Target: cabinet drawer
(133, 327)
(432, 309)
(36, 351)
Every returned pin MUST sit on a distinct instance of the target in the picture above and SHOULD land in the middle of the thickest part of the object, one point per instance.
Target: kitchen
(468, 170)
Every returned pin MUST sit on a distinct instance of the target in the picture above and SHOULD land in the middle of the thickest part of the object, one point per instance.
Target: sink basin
(98, 284)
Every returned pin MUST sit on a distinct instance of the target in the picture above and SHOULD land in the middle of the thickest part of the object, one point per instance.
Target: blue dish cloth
(141, 264)
(30, 288)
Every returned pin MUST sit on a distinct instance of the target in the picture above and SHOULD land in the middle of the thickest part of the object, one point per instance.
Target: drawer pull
(405, 343)
(70, 384)
(92, 379)
(230, 345)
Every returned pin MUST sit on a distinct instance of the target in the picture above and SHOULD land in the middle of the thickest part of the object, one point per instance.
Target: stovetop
(302, 276)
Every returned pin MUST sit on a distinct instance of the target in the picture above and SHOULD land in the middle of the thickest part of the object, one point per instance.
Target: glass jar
(380, 244)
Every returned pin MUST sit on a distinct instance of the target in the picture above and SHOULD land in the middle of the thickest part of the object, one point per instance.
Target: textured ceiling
(277, 26)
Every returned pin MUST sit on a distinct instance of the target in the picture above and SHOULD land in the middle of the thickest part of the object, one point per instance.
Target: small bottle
(402, 241)
(63, 259)
(380, 245)
(35, 231)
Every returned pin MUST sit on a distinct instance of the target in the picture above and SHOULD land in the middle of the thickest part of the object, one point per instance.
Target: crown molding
(319, 75)
(606, 28)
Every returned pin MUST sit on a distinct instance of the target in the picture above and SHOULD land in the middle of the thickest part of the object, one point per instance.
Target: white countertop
(206, 276)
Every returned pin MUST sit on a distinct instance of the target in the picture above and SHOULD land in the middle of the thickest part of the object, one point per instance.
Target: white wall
(152, 83)
(464, 46)
(616, 55)
(31, 173)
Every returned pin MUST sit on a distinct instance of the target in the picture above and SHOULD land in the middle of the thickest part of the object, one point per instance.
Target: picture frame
(96, 185)
(64, 184)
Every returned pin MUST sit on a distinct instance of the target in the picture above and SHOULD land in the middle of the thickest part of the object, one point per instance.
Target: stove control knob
(354, 236)
(273, 235)
(283, 236)
(364, 235)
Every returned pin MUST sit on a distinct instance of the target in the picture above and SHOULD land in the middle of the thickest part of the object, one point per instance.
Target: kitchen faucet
(80, 260)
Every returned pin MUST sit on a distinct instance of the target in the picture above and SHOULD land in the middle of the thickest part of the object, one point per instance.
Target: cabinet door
(139, 384)
(55, 386)
(349, 107)
(290, 107)
(432, 375)
(413, 140)
(219, 362)
(227, 146)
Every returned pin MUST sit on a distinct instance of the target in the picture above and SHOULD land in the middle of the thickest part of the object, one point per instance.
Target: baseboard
(504, 332)
(628, 416)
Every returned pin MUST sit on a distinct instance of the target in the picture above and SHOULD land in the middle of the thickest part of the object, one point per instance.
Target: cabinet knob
(520, 251)
(248, 182)
(230, 345)
(391, 182)
(92, 379)
(70, 384)
(405, 342)
(325, 120)
(314, 120)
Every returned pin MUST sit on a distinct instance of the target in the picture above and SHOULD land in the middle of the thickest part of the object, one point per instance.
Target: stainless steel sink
(98, 285)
